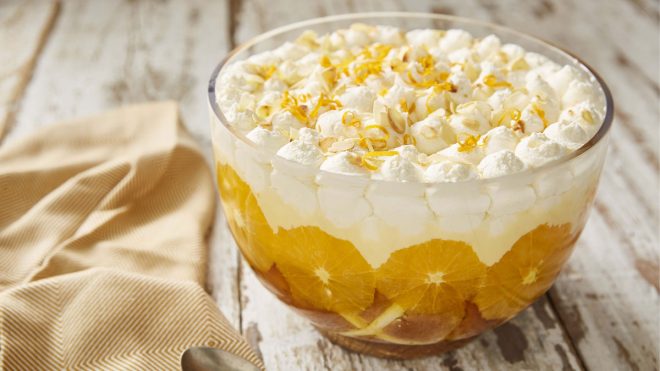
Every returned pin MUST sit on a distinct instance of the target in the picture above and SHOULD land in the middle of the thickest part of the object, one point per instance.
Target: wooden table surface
(63, 59)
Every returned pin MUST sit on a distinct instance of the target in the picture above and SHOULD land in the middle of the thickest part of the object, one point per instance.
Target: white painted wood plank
(23, 29)
(534, 340)
(103, 54)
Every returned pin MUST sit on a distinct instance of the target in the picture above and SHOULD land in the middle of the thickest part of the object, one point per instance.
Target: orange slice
(233, 192)
(525, 272)
(432, 279)
(247, 223)
(232, 188)
(324, 272)
(260, 237)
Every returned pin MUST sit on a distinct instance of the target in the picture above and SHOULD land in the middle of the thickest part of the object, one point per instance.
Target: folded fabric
(103, 225)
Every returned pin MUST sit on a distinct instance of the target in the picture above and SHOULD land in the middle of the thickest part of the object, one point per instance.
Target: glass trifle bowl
(420, 230)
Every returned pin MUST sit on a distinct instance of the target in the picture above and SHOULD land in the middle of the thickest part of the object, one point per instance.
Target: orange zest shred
(325, 61)
(405, 107)
(365, 69)
(341, 67)
(409, 139)
(420, 84)
(483, 142)
(370, 159)
(514, 114)
(468, 143)
(376, 51)
(372, 144)
(428, 64)
(266, 71)
(366, 143)
(324, 102)
(491, 81)
(427, 102)
(386, 134)
(541, 114)
(445, 86)
(370, 62)
(398, 66)
(349, 118)
(290, 103)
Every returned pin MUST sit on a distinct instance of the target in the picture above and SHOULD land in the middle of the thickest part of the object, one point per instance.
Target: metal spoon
(211, 359)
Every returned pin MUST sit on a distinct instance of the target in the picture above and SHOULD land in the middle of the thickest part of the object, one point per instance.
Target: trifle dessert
(406, 189)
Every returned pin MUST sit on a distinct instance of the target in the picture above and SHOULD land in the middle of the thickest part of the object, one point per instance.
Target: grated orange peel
(349, 118)
(290, 103)
(467, 143)
(540, 113)
(324, 102)
(492, 82)
(370, 159)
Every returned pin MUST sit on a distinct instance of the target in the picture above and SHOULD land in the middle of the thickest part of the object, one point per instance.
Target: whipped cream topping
(368, 90)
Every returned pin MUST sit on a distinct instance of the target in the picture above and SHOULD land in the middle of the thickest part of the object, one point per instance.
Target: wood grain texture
(24, 25)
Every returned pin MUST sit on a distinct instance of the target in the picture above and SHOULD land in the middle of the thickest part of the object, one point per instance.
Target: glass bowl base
(393, 351)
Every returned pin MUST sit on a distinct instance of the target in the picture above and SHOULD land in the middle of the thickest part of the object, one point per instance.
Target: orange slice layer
(430, 279)
(324, 272)
(246, 221)
(525, 272)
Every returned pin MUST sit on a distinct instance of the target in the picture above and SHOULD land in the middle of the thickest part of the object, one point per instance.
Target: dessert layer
(439, 285)
(417, 106)
(379, 218)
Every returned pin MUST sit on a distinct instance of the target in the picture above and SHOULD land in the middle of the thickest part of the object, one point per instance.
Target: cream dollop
(398, 168)
(283, 121)
(303, 150)
(343, 163)
(570, 134)
(268, 139)
(448, 171)
(330, 124)
(500, 163)
(537, 150)
(458, 154)
(432, 134)
(471, 118)
(455, 39)
(360, 98)
(498, 139)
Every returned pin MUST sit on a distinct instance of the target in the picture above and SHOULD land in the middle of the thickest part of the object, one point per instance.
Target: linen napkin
(103, 224)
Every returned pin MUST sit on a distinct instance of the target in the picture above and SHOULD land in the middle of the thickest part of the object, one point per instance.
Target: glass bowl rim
(595, 139)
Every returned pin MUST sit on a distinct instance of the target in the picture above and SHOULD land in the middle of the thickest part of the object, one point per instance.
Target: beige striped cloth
(103, 226)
